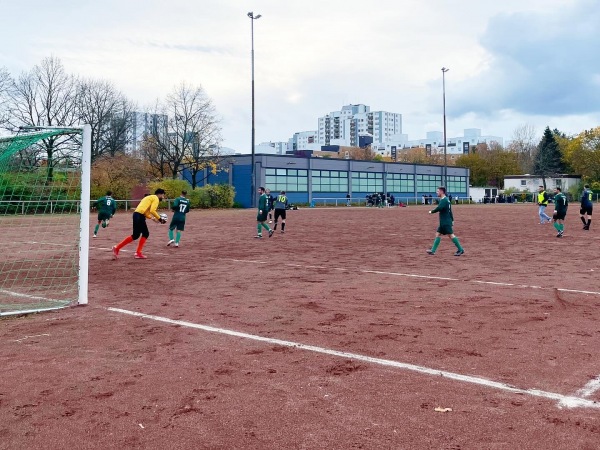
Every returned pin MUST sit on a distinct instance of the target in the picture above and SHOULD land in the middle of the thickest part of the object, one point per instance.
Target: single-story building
(308, 179)
(530, 183)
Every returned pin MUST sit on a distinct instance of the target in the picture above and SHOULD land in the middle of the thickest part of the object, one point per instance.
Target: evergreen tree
(548, 159)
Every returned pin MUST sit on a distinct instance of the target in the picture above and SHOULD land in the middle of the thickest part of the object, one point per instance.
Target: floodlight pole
(253, 175)
(445, 174)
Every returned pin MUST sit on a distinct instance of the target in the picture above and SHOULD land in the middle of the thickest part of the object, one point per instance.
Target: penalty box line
(563, 400)
(410, 275)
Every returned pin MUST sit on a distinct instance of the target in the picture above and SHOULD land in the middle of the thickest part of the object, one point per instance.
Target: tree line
(182, 130)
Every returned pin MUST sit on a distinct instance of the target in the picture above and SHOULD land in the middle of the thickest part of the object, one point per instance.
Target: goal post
(45, 178)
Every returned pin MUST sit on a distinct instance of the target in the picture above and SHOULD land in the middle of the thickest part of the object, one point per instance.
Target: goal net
(44, 219)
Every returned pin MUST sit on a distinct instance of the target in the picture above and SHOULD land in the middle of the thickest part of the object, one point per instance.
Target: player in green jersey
(263, 214)
(107, 206)
(444, 207)
(181, 206)
(561, 204)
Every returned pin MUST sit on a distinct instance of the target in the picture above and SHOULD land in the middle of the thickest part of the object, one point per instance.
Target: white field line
(591, 387)
(564, 400)
(429, 277)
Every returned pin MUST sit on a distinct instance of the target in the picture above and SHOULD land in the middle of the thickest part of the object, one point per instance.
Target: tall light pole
(445, 179)
(252, 183)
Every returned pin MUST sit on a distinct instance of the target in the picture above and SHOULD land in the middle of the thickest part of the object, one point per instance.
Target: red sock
(124, 242)
(141, 245)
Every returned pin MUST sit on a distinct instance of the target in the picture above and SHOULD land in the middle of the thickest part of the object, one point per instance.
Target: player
(271, 203)
(107, 206)
(281, 204)
(444, 207)
(560, 211)
(181, 206)
(587, 207)
(542, 203)
(145, 210)
(263, 211)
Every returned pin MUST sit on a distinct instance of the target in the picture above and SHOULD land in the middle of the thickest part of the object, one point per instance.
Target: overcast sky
(512, 63)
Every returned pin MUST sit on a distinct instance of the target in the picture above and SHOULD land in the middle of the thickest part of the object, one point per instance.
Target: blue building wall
(271, 170)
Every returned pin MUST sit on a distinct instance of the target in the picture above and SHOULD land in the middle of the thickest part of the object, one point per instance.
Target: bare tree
(193, 134)
(109, 114)
(524, 145)
(46, 96)
(5, 84)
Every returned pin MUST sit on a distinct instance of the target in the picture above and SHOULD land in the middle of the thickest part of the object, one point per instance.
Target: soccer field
(340, 333)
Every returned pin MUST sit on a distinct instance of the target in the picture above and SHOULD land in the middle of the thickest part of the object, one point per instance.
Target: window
(428, 183)
(523, 182)
(456, 185)
(400, 183)
(289, 180)
(329, 181)
(367, 182)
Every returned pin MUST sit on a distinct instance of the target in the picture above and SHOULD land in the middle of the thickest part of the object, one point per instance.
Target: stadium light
(252, 183)
(445, 180)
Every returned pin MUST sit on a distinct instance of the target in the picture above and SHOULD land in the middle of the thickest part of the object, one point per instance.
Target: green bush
(209, 196)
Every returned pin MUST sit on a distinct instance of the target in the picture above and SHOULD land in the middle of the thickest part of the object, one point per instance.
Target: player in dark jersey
(587, 207)
(271, 204)
(263, 213)
(181, 206)
(107, 206)
(281, 204)
(444, 207)
(560, 211)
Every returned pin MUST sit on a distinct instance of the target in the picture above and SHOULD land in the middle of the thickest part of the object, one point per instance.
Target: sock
(562, 227)
(177, 237)
(582, 219)
(557, 226)
(258, 228)
(457, 243)
(170, 234)
(275, 226)
(589, 222)
(124, 242)
(266, 227)
(282, 226)
(96, 228)
(140, 246)
(436, 242)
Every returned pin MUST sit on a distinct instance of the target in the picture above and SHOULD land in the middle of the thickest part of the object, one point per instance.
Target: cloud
(538, 64)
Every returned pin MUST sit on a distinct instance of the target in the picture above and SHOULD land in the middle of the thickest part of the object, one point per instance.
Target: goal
(44, 219)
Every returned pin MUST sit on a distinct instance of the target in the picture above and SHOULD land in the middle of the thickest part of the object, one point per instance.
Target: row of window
(296, 180)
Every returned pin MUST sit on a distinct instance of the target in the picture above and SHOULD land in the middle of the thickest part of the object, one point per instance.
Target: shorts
(103, 216)
(177, 224)
(559, 215)
(262, 217)
(280, 213)
(586, 210)
(140, 227)
(445, 230)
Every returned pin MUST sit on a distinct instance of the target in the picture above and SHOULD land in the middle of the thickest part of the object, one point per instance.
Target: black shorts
(280, 213)
(139, 226)
(559, 215)
(586, 210)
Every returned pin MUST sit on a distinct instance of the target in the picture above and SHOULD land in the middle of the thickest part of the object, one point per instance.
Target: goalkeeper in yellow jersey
(145, 210)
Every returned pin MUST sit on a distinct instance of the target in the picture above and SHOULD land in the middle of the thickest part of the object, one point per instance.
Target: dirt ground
(496, 338)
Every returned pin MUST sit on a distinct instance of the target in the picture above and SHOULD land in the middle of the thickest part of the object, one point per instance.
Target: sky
(511, 64)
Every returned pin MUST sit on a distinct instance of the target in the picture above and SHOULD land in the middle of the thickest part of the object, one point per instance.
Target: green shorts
(445, 229)
(262, 217)
(177, 224)
(103, 216)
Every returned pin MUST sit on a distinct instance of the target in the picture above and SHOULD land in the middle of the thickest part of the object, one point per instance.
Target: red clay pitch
(351, 280)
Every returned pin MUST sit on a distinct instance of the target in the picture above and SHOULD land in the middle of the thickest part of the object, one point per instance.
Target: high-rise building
(142, 125)
(345, 127)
